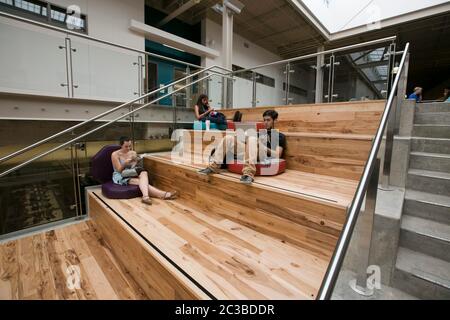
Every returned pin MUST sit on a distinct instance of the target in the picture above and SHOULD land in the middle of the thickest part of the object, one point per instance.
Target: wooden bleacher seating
(225, 240)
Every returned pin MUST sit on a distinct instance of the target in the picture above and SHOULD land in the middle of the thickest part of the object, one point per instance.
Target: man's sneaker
(206, 171)
(247, 180)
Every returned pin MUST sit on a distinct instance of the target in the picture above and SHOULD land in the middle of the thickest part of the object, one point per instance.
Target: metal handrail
(68, 130)
(334, 267)
(316, 54)
(23, 164)
(81, 35)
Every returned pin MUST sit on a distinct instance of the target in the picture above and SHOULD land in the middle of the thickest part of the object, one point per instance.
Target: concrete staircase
(423, 259)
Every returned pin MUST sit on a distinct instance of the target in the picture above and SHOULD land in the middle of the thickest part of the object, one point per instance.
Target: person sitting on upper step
(204, 112)
(250, 150)
(127, 172)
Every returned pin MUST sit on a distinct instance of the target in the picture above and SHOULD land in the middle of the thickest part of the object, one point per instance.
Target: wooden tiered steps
(361, 117)
(224, 259)
(225, 240)
(36, 267)
(331, 154)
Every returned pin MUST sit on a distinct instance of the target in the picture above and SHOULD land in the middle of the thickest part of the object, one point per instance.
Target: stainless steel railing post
(363, 235)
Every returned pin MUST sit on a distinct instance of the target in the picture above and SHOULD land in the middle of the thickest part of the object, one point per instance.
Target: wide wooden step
(331, 154)
(359, 117)
(180, 251)
(304, 209)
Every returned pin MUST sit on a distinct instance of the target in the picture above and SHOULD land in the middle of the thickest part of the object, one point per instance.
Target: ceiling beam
(372, 64)
(183, 8)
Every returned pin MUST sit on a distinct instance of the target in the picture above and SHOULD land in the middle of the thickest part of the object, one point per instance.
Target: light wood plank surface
(35, 267)
(157, 276)
(330, 189)
(330, 154)
(308, 221)
(229, 259)
(359, 117)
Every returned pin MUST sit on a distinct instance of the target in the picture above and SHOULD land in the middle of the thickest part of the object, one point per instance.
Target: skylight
(341, 15)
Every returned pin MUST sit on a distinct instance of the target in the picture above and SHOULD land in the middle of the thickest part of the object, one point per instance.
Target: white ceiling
(340, 15)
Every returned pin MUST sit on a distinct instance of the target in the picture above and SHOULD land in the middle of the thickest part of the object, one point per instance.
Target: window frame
(13, 9)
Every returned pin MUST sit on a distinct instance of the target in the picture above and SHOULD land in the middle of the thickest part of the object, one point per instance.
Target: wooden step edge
(345, 136)
(305, 105)
(180, 283)
(286, 192)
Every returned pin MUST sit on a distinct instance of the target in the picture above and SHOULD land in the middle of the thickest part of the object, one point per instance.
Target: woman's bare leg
(155, 192)
(148, 190)
(142, 182)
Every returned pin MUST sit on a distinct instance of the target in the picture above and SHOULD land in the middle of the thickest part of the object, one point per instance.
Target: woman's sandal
(170, 195)
(147, 200)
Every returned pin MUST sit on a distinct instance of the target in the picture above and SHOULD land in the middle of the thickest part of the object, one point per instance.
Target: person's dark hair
(271, 113)
(123, 139)
(199, 101)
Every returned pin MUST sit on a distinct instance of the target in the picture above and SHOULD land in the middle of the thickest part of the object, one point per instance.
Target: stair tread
(423, 266)
(315, 187)
(430, 125)
(430, 174)
(426, 227)
(430, 154)
(426, 197)
(431, 139)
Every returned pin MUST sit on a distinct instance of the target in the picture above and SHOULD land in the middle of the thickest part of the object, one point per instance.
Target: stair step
(432, 107)
(432, 118)
(426, 205)
(434, 145)
(429, 181)
(430, 161)
(431, 130)
(426, 236)
(421, 275)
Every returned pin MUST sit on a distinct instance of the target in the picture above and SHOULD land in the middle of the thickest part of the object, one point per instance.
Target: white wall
(33, 63)
(243, 57)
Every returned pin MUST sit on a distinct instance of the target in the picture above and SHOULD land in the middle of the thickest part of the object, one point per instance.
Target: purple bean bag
(102, 171)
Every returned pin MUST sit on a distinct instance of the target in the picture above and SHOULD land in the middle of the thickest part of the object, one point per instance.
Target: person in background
(204, 112)
(416, 95)
(125, 158)
(446, 97)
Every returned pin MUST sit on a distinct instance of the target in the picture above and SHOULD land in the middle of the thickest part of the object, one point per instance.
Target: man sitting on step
(249, 151)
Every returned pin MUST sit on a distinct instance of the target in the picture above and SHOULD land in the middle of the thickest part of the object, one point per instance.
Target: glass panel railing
(243, 91)
(32, 59)
(259, 87)
(215, 88)
(361, 75)
(42, 61)
(38, 194)
(270, 86)
(102, 72)
(58, 166)
(302, 84)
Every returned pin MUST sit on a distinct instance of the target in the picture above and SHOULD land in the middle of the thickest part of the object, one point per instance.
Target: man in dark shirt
(274, 149)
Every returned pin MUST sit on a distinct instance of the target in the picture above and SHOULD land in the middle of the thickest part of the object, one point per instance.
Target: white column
(319, 75)
(227, 55)
(227, 38)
